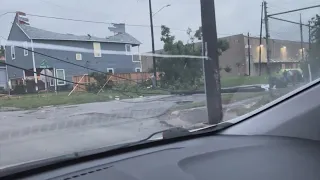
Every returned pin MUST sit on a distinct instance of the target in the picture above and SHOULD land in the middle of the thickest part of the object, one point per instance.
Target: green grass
(243, 80)
(30, 101)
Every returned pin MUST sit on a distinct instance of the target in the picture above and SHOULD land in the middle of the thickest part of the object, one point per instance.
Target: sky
(233, 17)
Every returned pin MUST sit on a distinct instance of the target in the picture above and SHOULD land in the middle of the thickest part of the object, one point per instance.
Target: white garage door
(3, 78)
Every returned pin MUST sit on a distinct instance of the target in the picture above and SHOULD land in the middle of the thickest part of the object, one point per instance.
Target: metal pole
(260, 40)
(249, 54)
(152, 41)
(211, 63)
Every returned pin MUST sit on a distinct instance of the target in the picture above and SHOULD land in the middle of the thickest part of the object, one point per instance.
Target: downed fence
(81, 81)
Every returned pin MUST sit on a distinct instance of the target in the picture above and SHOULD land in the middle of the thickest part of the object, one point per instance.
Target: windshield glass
(81, 75)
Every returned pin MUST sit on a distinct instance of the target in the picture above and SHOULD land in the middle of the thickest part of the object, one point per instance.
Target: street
(53, 131)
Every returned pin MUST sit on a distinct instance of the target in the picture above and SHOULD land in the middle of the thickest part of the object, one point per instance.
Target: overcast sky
(233, 17)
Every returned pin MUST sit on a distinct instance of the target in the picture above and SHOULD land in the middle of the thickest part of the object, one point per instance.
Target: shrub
(19, 89)
(92, 87)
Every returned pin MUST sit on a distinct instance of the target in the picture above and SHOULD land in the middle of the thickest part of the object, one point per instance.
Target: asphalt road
(47, 132)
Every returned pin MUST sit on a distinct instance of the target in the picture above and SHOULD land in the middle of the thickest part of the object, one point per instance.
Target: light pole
(168, 5)
(152, 39)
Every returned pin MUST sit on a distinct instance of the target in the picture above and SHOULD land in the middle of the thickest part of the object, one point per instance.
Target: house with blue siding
(41, 47)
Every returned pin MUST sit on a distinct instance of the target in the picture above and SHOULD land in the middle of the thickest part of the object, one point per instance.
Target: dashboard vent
(84, 173)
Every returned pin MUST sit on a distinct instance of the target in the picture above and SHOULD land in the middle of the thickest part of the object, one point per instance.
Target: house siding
(120, 63)
(16, 34)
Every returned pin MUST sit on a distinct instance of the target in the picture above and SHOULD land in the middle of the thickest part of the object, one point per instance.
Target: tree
(314, 49)
(182, 72)
(2, 51)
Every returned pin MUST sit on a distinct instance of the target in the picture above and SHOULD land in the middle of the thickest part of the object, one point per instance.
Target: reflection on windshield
(72, 82)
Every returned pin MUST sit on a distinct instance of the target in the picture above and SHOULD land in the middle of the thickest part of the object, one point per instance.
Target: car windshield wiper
(157, 136)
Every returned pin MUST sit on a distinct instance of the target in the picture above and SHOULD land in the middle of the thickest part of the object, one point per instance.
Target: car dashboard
(212, 157)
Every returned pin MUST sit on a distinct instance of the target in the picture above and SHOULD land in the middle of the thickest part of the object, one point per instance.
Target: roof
(35, 33)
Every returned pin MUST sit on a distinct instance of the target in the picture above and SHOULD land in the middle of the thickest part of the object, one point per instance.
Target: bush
(19, 89)
(92, 87)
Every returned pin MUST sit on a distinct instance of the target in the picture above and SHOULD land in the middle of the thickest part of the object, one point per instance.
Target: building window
(25, 50)
(138, 69)
(13, 53)
(52, 82)
(60, 73)
(97, 49)
(128, 48)
(110, 70)
(78, 56)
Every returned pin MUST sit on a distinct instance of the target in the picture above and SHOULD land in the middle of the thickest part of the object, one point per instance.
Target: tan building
(284, 54)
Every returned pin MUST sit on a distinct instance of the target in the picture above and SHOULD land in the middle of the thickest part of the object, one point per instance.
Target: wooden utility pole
(301, 40)
(152, 41)
(249, 55)
(211, 63)
(260, 40)
(266, 21)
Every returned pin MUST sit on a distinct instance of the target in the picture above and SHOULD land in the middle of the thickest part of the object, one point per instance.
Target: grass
(243, 80)
(51, 99)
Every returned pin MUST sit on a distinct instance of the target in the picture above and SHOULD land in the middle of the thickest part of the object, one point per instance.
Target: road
(52, 131)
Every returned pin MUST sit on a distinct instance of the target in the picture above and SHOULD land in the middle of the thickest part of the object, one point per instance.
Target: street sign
(44, 64)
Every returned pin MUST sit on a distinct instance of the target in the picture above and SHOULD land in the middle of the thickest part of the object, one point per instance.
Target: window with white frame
(52, 82)
(79, 56)
(13, 53)
(60, 73)
(97, 49)
(128, 47)
(110, 70)
(25, 50)
(138, 70)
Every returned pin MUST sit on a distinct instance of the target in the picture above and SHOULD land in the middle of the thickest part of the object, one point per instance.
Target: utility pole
(266, 21)
(211, 63)
(260, 40)
(301, 39)
(249, 54)
(152, 41)
(309, 68)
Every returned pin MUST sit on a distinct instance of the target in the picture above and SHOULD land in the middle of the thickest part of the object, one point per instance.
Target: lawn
(243, 80)
(30, 101)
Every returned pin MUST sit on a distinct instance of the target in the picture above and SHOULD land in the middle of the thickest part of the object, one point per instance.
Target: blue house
(49, 48)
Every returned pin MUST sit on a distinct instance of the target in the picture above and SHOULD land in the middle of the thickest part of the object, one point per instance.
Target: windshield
(81, 75)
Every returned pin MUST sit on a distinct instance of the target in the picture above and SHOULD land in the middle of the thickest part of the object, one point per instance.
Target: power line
(295, 10)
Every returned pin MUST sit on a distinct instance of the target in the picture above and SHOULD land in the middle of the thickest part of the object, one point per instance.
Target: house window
(78, 56)
(128, 48)
(52, 82)
(138, 70)
(25, 50)
(60, 73)
(13, 53)
(97, 49)
(110, 70)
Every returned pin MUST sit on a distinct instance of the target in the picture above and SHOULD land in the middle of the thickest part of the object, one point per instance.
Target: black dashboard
(214, 157)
